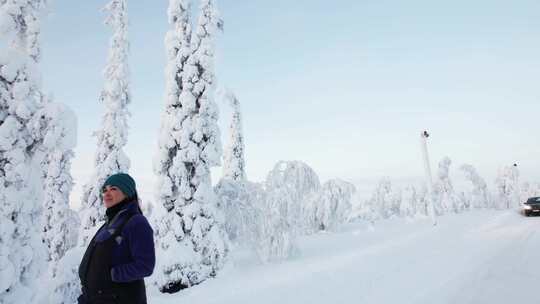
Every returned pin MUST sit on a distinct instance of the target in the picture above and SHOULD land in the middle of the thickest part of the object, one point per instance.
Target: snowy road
(476, 257)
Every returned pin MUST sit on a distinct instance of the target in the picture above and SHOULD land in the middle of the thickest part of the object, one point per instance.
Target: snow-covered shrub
(333, 204)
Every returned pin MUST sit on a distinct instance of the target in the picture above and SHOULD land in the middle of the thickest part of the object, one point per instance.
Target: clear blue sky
(345, 86)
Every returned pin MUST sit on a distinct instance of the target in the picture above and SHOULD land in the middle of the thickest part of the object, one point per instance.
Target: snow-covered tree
(22, 253)
(301, 184)
(384, 203)
(333, 204)
(257, 218)
(276, 237)
(65, 286)
(479, 195)
(112, 135)
(507, 185)
(190, 238)
(239, 211)
(409, 202)
(443, 190)
(233, 159)
(422, 206)
(381, 201)
(57, 125)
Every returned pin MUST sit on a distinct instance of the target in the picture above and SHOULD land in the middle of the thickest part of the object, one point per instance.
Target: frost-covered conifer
(112, 135)
(302, 185)
(276, 237)
(258, 219)
(478, 196)
(409, 203)
(233, 159)
(422, 207)
(333, 204)
(238, 209)
(381, 200)
(284, 209)
(507, 185)
(57, 125)
(22, 253)
(444, 195)
(65, 287)
(191, 241)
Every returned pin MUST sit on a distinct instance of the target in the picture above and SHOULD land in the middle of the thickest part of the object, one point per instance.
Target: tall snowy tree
(191, 241)
(57, 125)
(479, 195)
(22, 253)
(112, 135)
(233, 160)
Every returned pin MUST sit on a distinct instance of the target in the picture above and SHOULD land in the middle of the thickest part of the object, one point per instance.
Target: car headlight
(527, 207)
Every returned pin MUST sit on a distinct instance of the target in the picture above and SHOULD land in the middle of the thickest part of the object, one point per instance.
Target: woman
(122, 252)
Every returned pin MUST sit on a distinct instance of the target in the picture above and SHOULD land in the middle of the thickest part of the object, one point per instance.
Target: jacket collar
(114, 223)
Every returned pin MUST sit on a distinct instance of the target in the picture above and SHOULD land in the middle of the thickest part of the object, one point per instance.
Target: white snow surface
(481, 256)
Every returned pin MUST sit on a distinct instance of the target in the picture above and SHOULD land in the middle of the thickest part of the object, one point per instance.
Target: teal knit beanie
(124, 182)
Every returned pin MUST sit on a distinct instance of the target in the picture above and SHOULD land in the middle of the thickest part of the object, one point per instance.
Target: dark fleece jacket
(133, 257)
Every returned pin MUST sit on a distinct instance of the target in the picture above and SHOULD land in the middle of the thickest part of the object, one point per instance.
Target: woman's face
(112, 196)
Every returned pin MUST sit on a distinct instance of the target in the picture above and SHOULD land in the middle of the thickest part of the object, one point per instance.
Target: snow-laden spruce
(239, 210)
(445, 198)
(57, 125)
(233, 158)
(191, 243)
(478, 196)
(22, 252)
(409, 202)
(333, 204)
(383, 203)
(113, 133)
(300, 184)
(507, 187)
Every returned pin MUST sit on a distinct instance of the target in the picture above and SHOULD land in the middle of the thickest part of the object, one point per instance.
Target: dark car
(532, 205)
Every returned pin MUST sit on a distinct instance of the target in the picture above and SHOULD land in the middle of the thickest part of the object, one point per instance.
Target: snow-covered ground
(474, 257)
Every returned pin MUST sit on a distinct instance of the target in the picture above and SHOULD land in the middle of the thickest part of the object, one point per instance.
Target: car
(532, 205)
